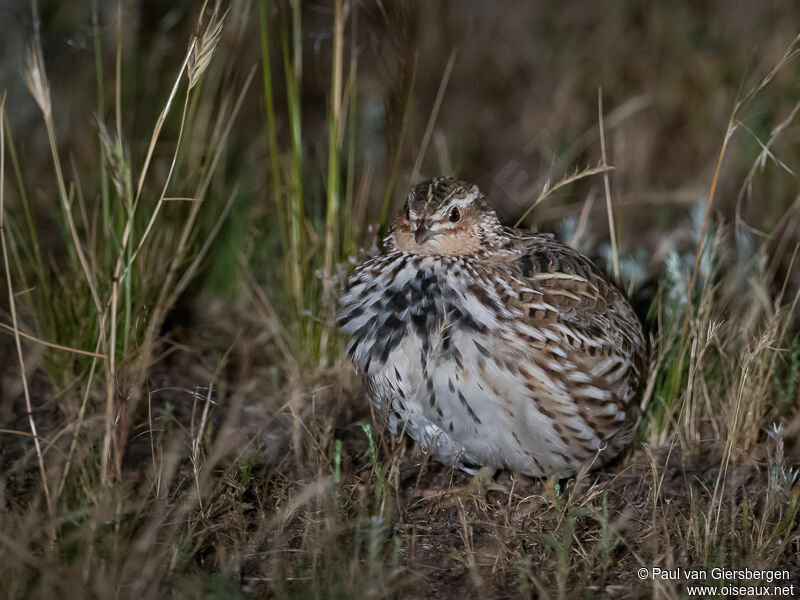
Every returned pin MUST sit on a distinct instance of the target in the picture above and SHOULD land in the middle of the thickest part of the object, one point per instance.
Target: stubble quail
(490, 346)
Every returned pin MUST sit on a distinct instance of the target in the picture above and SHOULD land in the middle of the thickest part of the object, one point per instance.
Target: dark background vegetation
(241, 462)
(520, 107)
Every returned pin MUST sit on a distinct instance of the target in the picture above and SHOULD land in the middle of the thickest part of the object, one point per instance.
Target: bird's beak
(423, 234)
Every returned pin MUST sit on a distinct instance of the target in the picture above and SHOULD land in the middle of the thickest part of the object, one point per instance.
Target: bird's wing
(593, 337)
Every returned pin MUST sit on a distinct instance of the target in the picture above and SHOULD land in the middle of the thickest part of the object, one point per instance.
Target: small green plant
(609, 540)
(308, 269)
(319, 213)
(561, 539)
(379, 471)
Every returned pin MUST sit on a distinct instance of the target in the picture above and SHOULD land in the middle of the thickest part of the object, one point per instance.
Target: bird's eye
(454, 215)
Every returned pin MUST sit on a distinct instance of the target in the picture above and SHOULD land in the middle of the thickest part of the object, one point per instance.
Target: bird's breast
(432, 299)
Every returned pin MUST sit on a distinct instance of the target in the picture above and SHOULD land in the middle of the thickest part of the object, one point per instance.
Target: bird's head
(445, 216)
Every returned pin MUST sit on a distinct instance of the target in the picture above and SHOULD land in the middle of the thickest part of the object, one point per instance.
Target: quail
(490, 346)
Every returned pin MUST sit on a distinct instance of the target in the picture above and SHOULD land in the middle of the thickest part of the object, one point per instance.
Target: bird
(492, 347)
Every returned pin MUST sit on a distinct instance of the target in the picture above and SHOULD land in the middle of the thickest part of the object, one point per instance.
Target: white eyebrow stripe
(464, 201)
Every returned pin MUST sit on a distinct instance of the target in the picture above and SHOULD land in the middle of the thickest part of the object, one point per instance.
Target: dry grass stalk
(204, 47)
(612, 232)
(79, 422)
(55, 346)
(791, 52)
(171, 294)
(13, 307)
(548, 190)
(36, 80)
(160, 123)
(437, 105)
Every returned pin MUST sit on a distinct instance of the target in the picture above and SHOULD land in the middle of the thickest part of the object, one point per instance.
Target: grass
(163, 439)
